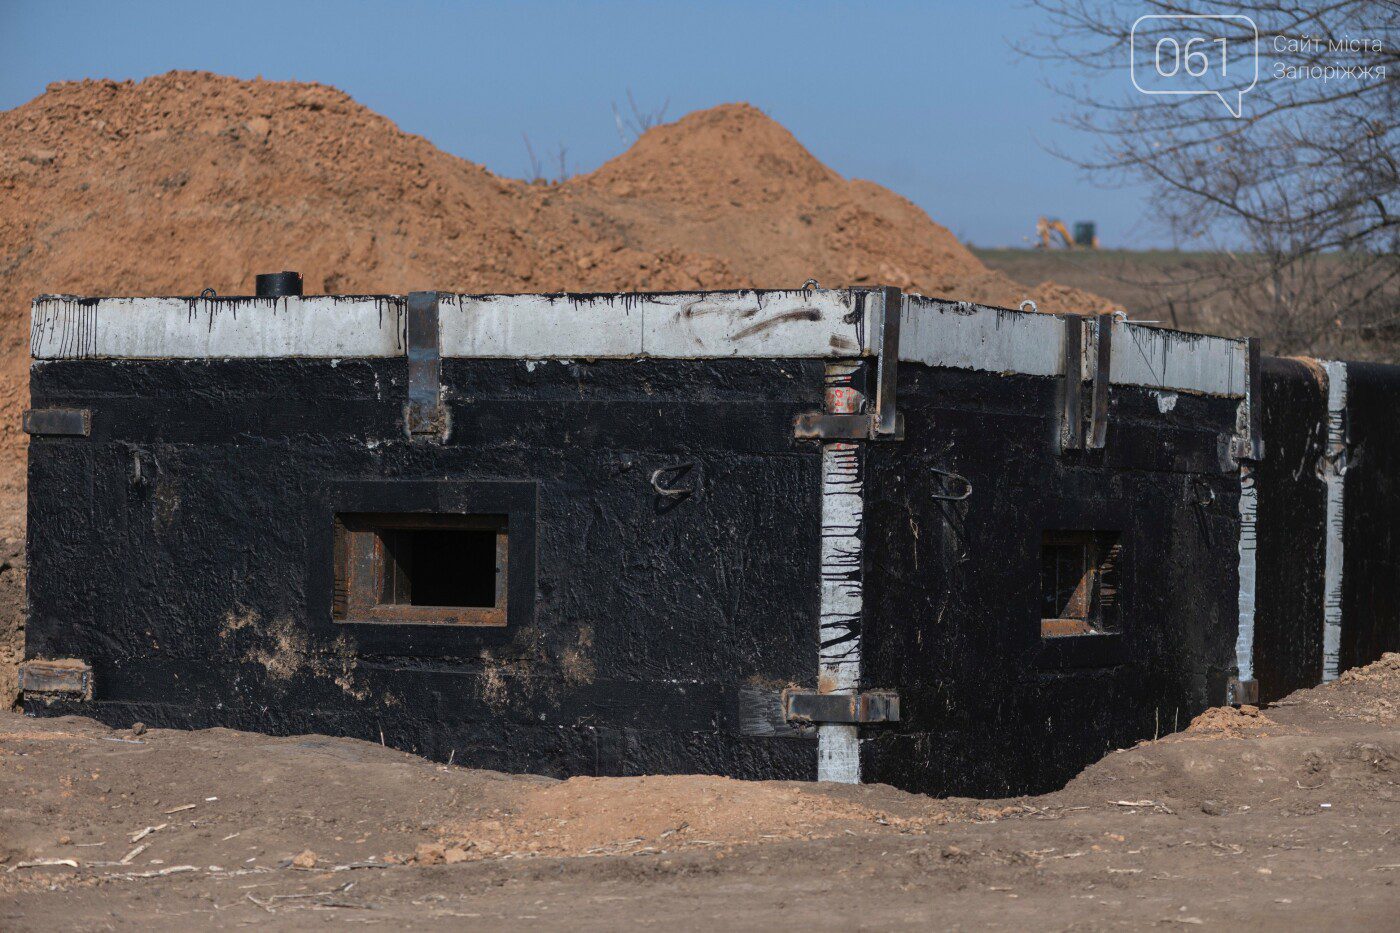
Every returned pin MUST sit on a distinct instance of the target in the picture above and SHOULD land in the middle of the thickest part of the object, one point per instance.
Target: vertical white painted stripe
(1333, 473)
(1249, 510)
(843, 510)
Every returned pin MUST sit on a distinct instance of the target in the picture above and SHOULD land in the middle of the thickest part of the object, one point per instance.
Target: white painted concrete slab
(815, 323)
(1165, 359)
(784, 324)
(966, 336)
(538, 327)
(191, 328)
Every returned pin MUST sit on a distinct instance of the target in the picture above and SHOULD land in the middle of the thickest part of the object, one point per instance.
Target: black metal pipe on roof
(279, 284)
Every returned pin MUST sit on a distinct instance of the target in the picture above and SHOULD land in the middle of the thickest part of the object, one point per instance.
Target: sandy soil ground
(1287, 818)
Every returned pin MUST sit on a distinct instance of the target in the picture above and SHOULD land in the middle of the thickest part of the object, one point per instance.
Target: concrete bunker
(818, 534)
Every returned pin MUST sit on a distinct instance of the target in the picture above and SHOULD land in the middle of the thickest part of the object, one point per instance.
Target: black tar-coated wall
(1290, 528)
(185, 551)
(1292, 522)
(1371, 533)
(952, 588)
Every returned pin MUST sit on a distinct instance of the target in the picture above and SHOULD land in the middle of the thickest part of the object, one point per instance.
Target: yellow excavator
(1047, 229)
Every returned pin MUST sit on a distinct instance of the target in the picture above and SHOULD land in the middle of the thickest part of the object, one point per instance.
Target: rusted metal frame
(1071, 407)
(425, 417)
(1103, 359)
(372, 581)
(805, 706)
(818, 425)
(407, 521)
(340, 570)
(478, 616)
(1091, 606)
(67, 677)
(502, 575)
(1061, 628)
(887, 424)
(1081, 603)
(884, 422)
(360, 572)
(392, 585)
(62, 422)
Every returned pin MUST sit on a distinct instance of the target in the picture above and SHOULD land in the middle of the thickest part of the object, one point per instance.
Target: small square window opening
(1078, 583)
(421, 569)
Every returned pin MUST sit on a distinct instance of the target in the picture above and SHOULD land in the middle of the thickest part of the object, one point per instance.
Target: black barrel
(279, 284)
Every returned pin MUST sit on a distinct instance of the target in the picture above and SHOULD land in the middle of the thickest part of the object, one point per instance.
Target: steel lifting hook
(679, 469)
(955, 476)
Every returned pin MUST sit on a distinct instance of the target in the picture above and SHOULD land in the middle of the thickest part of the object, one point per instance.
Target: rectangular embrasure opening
(421, 568)
(440, 567)
(1078, 583)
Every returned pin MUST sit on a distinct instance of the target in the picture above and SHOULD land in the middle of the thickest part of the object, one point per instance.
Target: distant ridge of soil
(190, 180)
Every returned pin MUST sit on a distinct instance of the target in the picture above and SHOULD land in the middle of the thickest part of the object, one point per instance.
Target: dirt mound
(1313, 750)
(1382, 676)
(1228, 722)
(1366, 694)
(1052, 296)
(731, 183)
(584, 816)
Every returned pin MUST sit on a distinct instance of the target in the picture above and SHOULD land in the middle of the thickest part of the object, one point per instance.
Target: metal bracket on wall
(857, 708)
(817, 425)
(65, 422)
(54, 679)
(1249, 441)
(1242, 692)
(1256, 399)
(885, 422)
(1071, 408)
(1103, 365)
(425, 417)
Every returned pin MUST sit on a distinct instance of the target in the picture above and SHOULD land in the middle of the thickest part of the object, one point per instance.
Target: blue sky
(926, 98)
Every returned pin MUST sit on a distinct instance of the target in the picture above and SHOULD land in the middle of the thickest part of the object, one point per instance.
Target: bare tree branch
(1303, 185)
